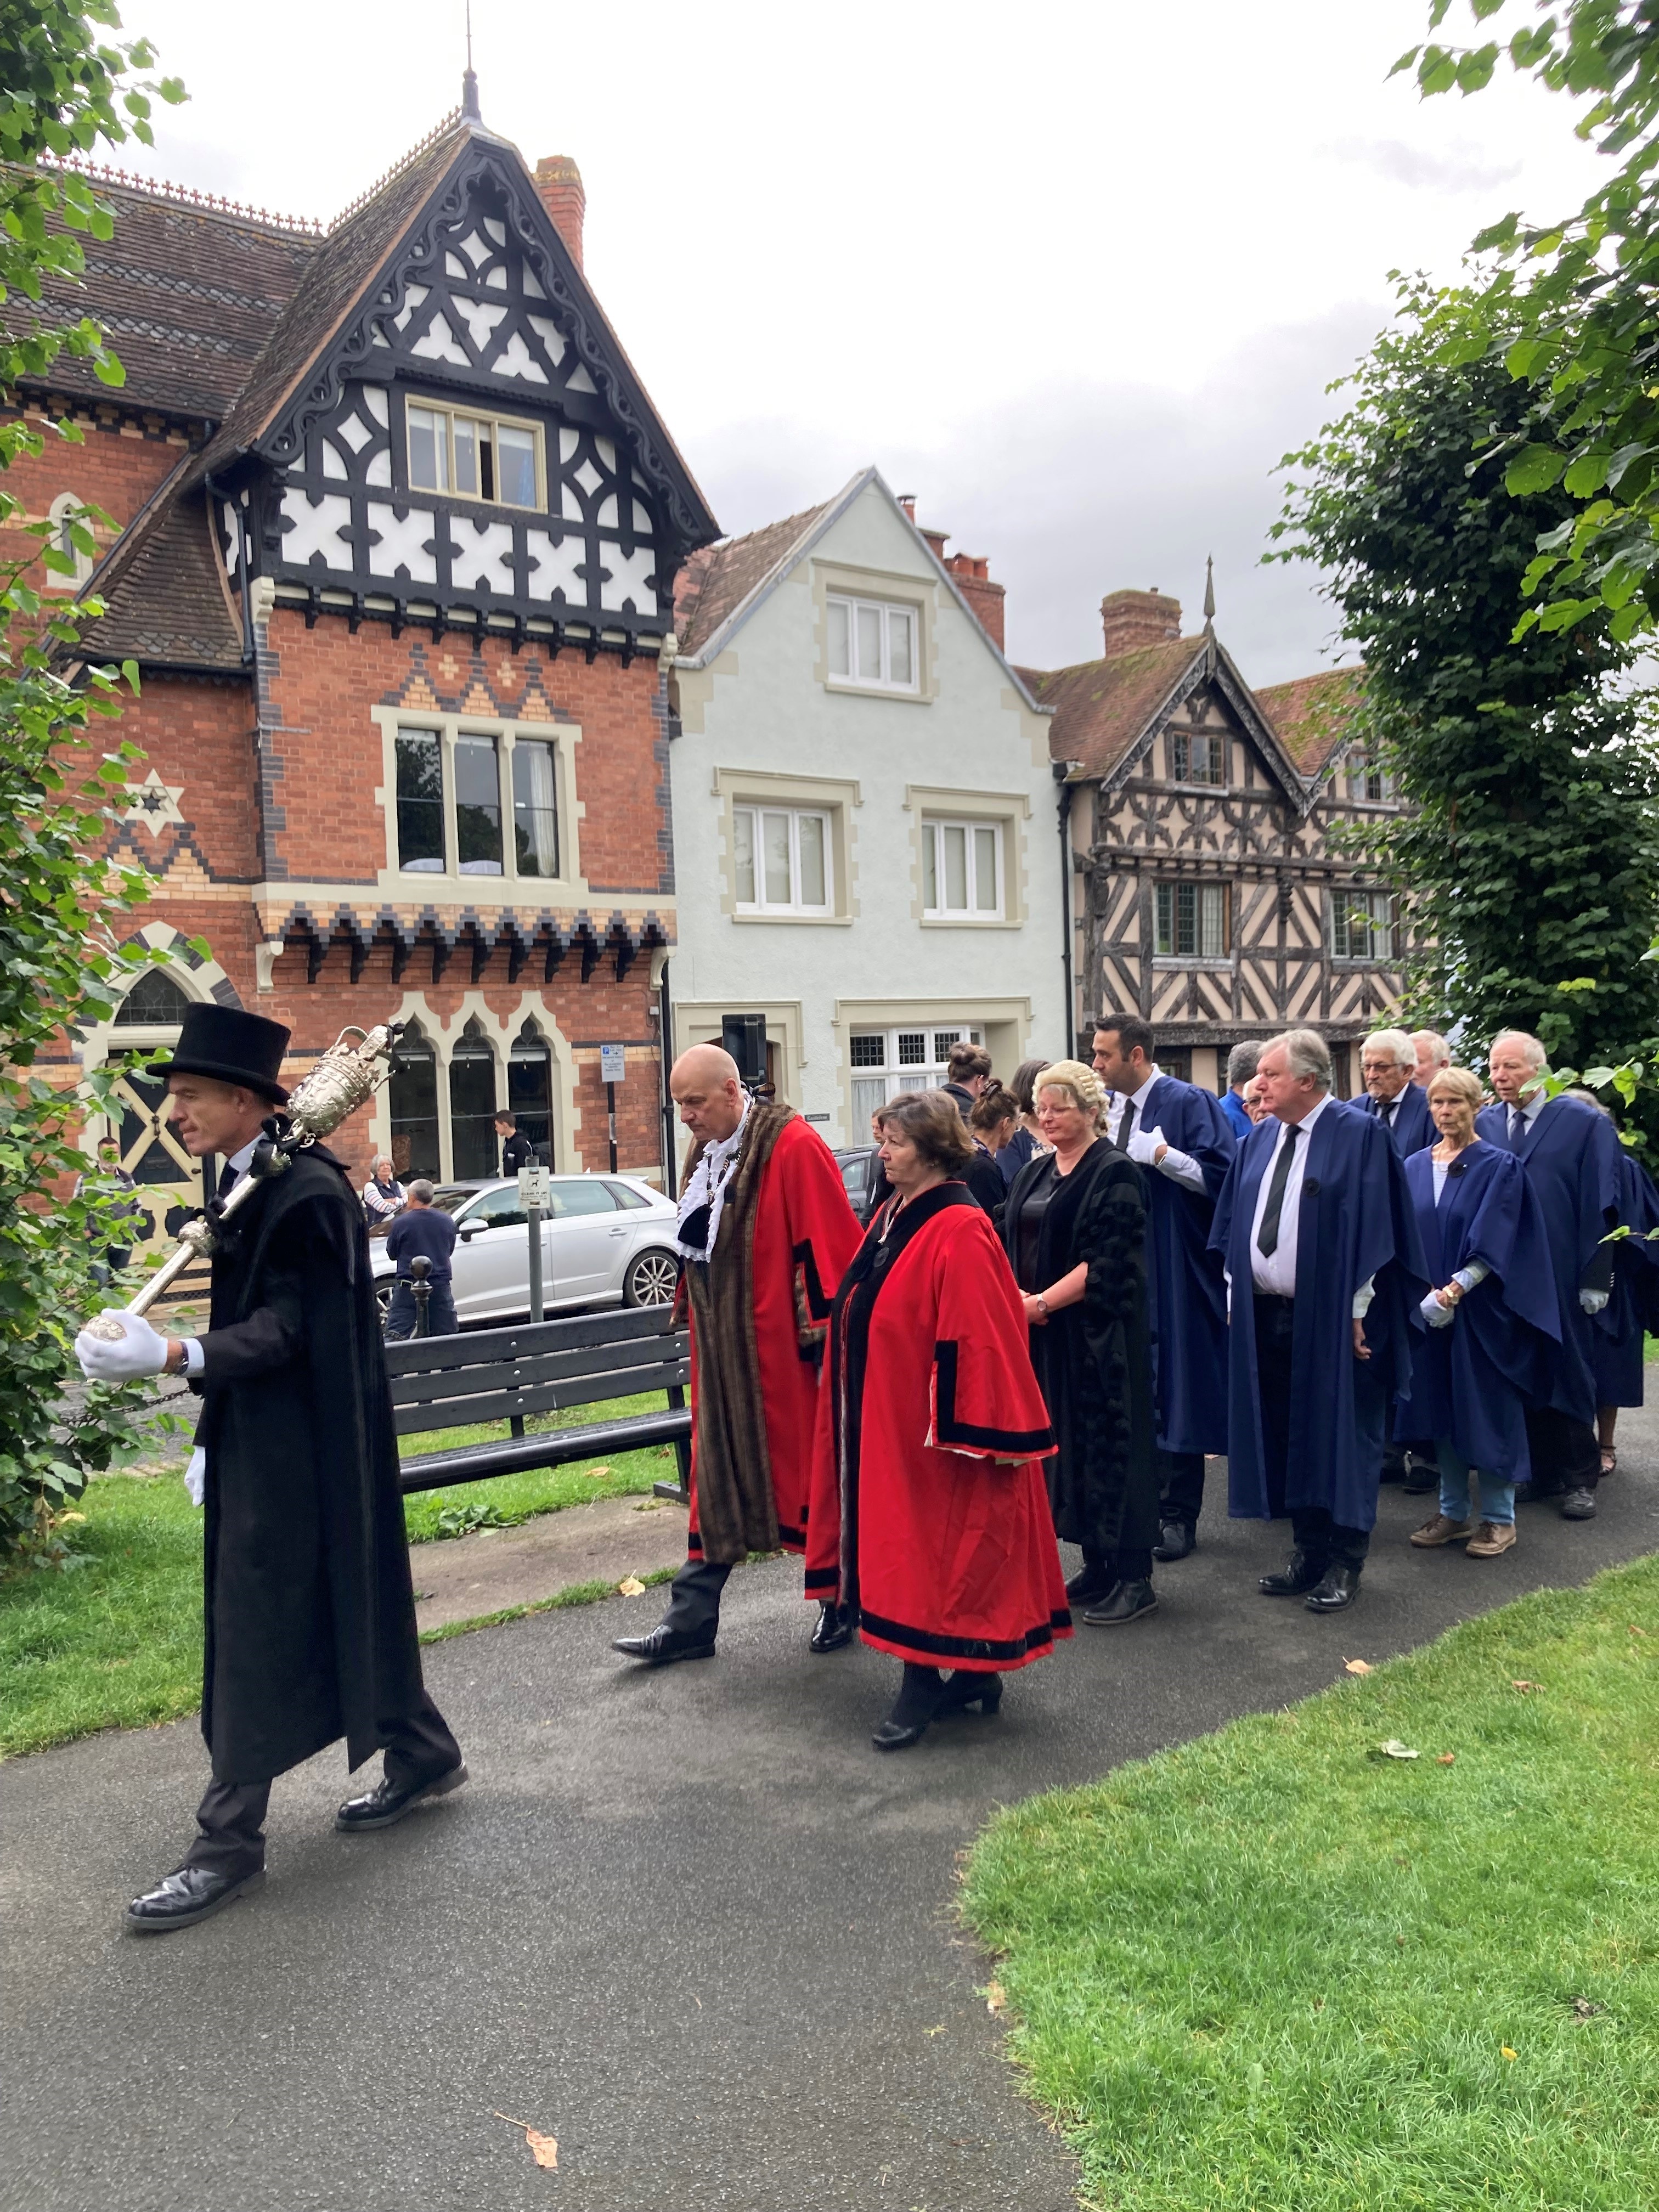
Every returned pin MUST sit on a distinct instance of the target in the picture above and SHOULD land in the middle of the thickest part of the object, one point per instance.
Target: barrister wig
(1081, 1084)
(931, 1121)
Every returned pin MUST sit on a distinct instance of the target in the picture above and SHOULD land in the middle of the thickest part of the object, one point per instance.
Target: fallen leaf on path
(1446, 1759)
(1526, 1686)
(543, 2149)
(1359, 1665)
(594, 1473)
(651, 1505)
(631, 1586)
(1395, 1749)
(1507, 2052)
(996, 1997)
(939, 2030)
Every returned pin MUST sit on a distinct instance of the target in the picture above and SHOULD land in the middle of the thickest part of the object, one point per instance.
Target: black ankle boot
(966, 1688)
(918, 1701)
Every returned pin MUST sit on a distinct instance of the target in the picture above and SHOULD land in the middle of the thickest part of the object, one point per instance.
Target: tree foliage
(1530, 856)
(1569, 305)
(62, 89)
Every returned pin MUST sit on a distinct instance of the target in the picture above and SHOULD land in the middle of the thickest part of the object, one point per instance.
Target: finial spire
(1209, 592)
(468, 83)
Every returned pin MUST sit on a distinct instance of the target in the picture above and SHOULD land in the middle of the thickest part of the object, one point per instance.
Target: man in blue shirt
(421, 1230)
(1241, 1070)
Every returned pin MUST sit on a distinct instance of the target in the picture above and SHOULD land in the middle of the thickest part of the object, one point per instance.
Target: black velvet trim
(1017, 1443)
(959, 1647)
(693, 1545)
(819, 1578)
(791, 1536)
(817, 1303)
(1061, 1618)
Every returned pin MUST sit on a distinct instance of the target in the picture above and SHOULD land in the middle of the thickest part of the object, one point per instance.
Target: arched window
(473, 1106)
(530, 1089)
(155, 1001)
(61, 514)
(412, 1097)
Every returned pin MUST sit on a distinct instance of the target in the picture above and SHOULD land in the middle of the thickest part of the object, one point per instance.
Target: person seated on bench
(422, 1232)
(766, 1230)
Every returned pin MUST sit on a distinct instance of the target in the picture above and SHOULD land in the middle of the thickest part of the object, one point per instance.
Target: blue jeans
(439, 1313)
(1496, 1499)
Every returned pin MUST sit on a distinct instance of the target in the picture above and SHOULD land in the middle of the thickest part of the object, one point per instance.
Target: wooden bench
(537, 1367)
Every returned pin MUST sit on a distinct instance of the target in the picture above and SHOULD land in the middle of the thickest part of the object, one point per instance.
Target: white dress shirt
(237, 1163)
(1530, 1112)
(1274, 1272)
(1180, 1167)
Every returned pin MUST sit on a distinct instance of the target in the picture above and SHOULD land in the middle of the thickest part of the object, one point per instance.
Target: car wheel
(651, 1278)
(383, 1299)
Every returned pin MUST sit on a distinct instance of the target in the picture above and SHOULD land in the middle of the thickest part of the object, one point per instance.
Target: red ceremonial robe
(930, 1519)
(804, 1233)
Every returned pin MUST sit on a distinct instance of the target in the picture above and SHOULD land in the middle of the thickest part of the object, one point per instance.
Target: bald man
(766, 1231)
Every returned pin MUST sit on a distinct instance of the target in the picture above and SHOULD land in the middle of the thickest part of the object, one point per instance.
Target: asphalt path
(688, 1922)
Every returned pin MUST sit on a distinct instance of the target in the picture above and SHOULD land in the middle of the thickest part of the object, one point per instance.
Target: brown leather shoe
(1440, 1530)
(1495, 1537)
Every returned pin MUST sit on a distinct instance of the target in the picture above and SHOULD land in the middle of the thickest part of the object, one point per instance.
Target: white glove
(1592, 1301)
(140, 1352)
(1143, 1145)
(195, 1475)
(1435, 1315)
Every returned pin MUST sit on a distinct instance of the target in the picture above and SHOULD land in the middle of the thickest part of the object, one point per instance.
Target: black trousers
(693, 1598)
(1565, 1453)
(1181, 1485)
(1312, 1529)
(231, 1818)
(1130, 1563)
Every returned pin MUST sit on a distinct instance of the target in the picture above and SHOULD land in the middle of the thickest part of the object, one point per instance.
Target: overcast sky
(1074, 274)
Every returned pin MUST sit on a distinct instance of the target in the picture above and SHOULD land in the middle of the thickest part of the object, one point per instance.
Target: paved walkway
(688, 1922)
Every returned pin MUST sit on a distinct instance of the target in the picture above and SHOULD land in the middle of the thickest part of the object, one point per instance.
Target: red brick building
(398, 534)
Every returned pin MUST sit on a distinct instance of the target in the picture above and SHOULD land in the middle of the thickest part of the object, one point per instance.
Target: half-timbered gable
(1209, 899)
(396, 536)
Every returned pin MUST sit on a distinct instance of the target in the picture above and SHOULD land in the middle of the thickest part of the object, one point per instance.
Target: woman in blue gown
(1492, 1320)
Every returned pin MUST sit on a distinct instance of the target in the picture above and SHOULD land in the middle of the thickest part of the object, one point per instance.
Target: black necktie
(1517, 1127)
(1267, 1237)
(1125, 1127)
(1389, 1113)
(227, 1176)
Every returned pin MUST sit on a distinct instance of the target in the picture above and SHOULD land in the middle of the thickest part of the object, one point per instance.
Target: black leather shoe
(1176, 1539)
(1093, 1582)
(664, 1646)
(1128, 1601)
(832, 1632)
(389, 1802)
(1579, 1505)
(1336, 1589)
(922, 1695)
(967, 1686)
(191, 1894)
(1296, 1580)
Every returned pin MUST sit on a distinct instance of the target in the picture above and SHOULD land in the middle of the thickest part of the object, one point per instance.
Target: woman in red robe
(929, 1521)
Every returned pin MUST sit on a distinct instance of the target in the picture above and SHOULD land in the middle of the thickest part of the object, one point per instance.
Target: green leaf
(1535, 469)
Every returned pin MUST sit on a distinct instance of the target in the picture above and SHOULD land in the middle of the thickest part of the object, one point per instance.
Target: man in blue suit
(1179, 1135)
(1571, 1154)
(1388, 1061)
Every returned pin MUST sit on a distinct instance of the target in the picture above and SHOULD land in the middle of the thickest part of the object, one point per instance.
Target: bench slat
(614, 1372)
(502, 1405)
(553, 1448)
(619, 1326)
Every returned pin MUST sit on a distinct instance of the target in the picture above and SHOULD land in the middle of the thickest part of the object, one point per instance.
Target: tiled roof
(1312, 715)
(714, 582)
(164, 590)
(1101, 707)
(189, 297)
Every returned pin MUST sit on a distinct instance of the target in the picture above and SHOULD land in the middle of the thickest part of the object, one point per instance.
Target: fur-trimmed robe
(929, 1520)
(759, 1310)
(1094, 1359)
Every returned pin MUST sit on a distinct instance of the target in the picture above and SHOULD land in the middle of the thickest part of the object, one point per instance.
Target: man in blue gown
(1326, 1271)
(1179, 1135)
(1388, 1061)
(1571, 1154)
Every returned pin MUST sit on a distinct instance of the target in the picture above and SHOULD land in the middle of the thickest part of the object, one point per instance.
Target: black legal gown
(309, 1609)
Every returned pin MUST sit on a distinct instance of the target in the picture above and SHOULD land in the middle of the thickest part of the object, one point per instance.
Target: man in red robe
(766, 1230)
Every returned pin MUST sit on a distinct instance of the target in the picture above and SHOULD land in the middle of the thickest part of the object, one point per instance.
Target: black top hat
(231, 1047)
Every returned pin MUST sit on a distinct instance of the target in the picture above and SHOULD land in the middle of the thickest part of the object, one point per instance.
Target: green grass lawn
(1277, 1970)
(116, 1640)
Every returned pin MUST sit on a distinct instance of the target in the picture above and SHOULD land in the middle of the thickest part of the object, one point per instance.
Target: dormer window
(1197, 756)
(475, 456)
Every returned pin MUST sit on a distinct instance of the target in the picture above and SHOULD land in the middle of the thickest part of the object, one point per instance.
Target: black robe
(309, 1609)
(1094, 1359)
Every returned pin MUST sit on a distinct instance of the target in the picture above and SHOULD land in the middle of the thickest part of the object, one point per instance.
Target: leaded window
(1362, 925)
(1198, 757)
(1192, 922)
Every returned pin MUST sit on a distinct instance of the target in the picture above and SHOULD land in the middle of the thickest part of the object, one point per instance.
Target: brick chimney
(1133, 620)
(973, 574)
(559, 181)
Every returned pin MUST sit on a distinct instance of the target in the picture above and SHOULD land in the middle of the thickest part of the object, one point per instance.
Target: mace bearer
(307, 1605)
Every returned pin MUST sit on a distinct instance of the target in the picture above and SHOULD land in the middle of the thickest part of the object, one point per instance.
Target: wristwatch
(1042, 1307)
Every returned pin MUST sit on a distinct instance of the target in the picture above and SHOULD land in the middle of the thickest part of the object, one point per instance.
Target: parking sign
(612, 1059)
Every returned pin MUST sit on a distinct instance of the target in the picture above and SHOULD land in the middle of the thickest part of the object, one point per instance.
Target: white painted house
(866, 833)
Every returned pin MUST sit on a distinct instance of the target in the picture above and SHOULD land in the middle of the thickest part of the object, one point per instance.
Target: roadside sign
(536, 1189)
(612, 1059)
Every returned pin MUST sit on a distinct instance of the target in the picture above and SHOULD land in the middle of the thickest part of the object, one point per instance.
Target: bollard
(419, 1268)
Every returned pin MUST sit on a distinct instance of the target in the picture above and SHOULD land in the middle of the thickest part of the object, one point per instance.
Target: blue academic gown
(1413, 1125)
(1471, 1382)
(1237, 1119)
(1571, 1154)
(1616, 1358)
(1189, 1292)
(1355, 1224)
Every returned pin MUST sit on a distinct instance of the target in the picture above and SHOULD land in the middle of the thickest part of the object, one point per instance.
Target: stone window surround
(1010, 810)
(1006, 1023)
(443, 1032)
(569, 888)
(835, 796)
(898, 588)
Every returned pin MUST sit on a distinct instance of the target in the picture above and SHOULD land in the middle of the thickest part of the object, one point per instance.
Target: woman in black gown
(1075, 1230)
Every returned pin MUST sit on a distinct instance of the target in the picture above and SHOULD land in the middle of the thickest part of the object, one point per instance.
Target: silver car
(606, 1241)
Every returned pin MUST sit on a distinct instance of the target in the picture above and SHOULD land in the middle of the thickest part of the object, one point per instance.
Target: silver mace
(344, 1079)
